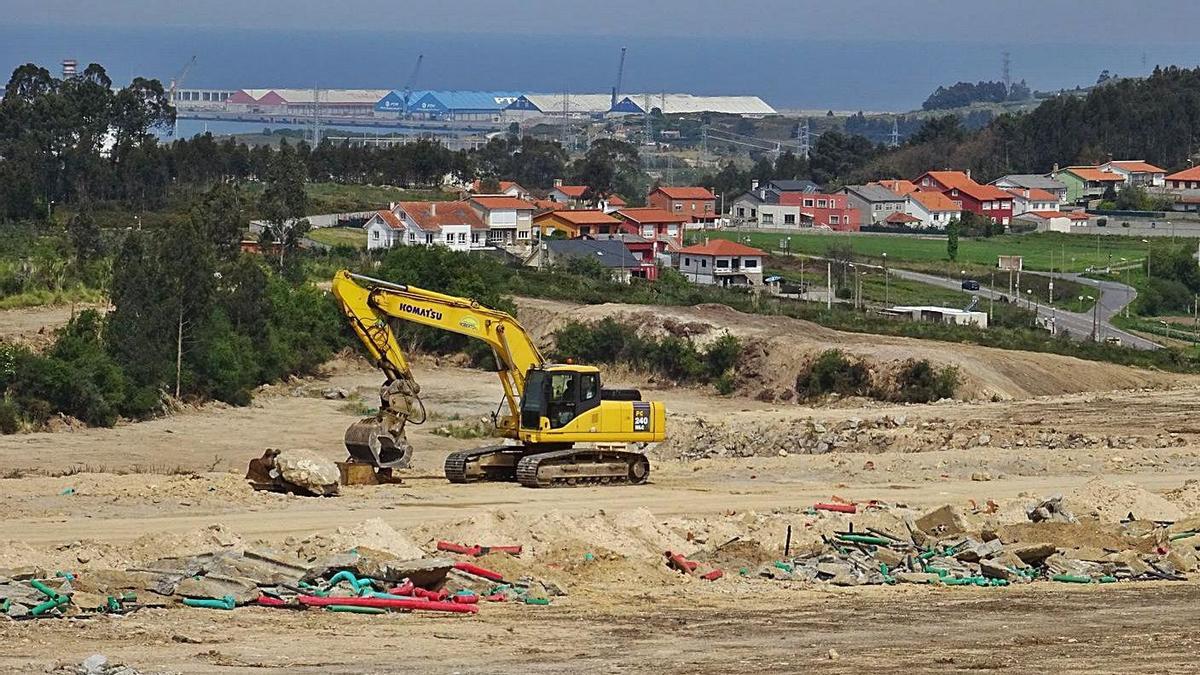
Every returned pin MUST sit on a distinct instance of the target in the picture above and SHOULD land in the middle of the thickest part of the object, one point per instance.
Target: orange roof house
(575, 223)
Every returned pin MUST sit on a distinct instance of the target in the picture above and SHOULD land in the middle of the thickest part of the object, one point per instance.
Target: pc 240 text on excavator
(562, 427)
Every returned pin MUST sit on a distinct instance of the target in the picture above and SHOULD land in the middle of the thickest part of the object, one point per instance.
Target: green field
(1072, 253)
(340, 236)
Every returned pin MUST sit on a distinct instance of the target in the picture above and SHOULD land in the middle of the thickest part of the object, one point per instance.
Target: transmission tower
(894, 139)
(316, 116)
(567, 140)
(804, 136)
(649, 124)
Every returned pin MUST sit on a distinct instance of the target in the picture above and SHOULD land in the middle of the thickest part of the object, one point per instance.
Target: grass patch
(466, 430)
(44, 297)
(340, 236)
(1073, 253)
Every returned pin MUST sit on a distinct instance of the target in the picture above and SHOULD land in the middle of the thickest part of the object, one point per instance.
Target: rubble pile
(361, 580)
(937, 548)
(697, 438)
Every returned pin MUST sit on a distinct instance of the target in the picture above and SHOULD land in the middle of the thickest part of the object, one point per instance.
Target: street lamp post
(887, 295)
(1147, 243)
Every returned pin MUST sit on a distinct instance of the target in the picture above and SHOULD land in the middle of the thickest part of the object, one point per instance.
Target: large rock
(942, 521)
(214, 586)
(1032, 554)
(309, 471)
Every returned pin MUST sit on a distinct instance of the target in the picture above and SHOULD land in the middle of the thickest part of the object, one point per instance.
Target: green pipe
(1071, 578)
(50, 604)
(5, 605)
(1183, 535)
(357, 584)
(537, 601)
(1108, 579)
(951, 581)
(226, 602)
(785, 566)
(864, 539)
(43, 588)
(385, 596)
(355, 609)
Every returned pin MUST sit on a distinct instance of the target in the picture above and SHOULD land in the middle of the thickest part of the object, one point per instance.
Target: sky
(994, 22)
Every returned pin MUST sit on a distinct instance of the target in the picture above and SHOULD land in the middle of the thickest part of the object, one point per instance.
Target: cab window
(564, 394)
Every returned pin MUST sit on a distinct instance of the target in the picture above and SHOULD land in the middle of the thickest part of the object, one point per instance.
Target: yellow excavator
(547, 409)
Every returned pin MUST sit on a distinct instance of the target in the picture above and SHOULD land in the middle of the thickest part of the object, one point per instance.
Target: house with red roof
(1188, 179)
(572, 223)
(655, 224)
(506, 188)
(933, 209)
(697, 203)
(1087, 182)
(451, 224)
(1137, 172)
(721, 262)
(983, 200)
(509, 220)
(1053, 220)
(571, 195)
(823, 210)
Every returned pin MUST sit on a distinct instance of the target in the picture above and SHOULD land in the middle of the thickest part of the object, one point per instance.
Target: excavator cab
(558, 394)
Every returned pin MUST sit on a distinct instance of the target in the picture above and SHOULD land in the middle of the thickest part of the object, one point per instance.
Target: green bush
(610, 341)
(10, 417)
(920, 382)
(832, 372)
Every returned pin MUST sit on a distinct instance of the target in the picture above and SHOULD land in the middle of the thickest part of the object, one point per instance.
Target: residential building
(943, 181)
(611, 254)
(1032, 199)
(699, 204)
(655, 224)
(507, 188)
(873, 202)
(934, 210)
(743, 209)
(823, 210)
(612, 203)
(779, 187)
(509, 220)
(1087, 182)
(900, 219)
(571, 195)
(899, 186)
(1033, 181)
(1186, 200)
(650, 252)
(1045, 221)
(1188, 179)
(722, 263)
(452, 224)
(1137, 173)
(984, 200)
(575, 223)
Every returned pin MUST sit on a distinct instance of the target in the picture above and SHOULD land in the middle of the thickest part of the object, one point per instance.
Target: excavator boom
(550, 407)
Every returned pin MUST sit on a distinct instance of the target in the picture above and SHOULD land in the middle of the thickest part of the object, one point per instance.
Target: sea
(808, 75)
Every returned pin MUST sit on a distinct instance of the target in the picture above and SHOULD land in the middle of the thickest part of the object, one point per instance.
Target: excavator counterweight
(549, 408)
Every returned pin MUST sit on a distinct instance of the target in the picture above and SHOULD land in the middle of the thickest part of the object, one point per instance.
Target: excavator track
(489, 463)
(582, 466)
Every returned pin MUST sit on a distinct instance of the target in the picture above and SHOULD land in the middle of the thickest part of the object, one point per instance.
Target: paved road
(1113, 298)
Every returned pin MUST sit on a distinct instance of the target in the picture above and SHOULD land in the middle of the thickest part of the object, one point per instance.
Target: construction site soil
(1113, 441)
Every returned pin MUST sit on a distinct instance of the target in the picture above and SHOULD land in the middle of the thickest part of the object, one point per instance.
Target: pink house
(823, 210)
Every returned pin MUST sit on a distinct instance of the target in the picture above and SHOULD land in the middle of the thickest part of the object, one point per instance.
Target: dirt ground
(83, 499)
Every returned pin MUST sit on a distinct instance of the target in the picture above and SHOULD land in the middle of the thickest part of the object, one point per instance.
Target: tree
(283, 203)
(610, 167)
(84, 234)
(952, 239)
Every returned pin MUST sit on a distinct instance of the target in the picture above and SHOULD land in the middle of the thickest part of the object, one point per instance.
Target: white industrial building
(958, 317)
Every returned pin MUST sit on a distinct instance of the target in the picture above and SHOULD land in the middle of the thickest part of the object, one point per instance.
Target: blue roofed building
(450, 105)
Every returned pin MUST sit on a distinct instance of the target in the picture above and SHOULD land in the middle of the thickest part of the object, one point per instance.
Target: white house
(1137, 172)
(509, 221)
(1032, 199)
(451, 224)
(1054, 221)
(934, 210)
(722, 263)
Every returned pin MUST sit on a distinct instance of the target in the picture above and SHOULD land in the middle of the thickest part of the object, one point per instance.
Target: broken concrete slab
(916, 577)
(995, 570)
(942, 521)
(242, 590)
(1032, 554)
(116, 582)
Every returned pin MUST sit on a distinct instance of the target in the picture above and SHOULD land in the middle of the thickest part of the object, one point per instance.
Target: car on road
(970, 285)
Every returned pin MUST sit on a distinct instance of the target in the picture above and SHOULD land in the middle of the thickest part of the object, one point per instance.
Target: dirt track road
(136, 480)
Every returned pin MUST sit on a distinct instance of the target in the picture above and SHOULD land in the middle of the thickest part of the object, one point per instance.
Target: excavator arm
(369, 306)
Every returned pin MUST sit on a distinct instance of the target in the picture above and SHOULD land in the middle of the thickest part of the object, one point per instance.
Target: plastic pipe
(471, 599)
(226, 602)
(478, 571)
(865, 539)
(268, 601)
(435, 596)
(457, 548)
(50, 604)
(1071, 578)
(840, 508)
(387, 603)
(713, 575)
(357, 584)
(497, 597)
(355, 609)
(536, 601)
(43, 588)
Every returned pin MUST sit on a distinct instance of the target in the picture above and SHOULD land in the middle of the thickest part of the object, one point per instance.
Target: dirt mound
(783, 345)
(1111, 501)
(373, 534)
(1186, 497)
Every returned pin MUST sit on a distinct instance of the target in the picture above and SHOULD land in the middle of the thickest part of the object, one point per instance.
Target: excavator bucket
(371, 442)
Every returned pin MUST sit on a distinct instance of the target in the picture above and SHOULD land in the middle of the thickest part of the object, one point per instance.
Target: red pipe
(478, 571)
(435, 596)
(267, 601)
(681, 563)
(713, 575)
(465, 599)
(511, 550)
(405, 588)
(840, 508)
(497, 597)
(389, 603)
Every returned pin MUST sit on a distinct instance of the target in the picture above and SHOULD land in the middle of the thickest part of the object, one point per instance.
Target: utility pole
(829, 285)
(991, 296)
